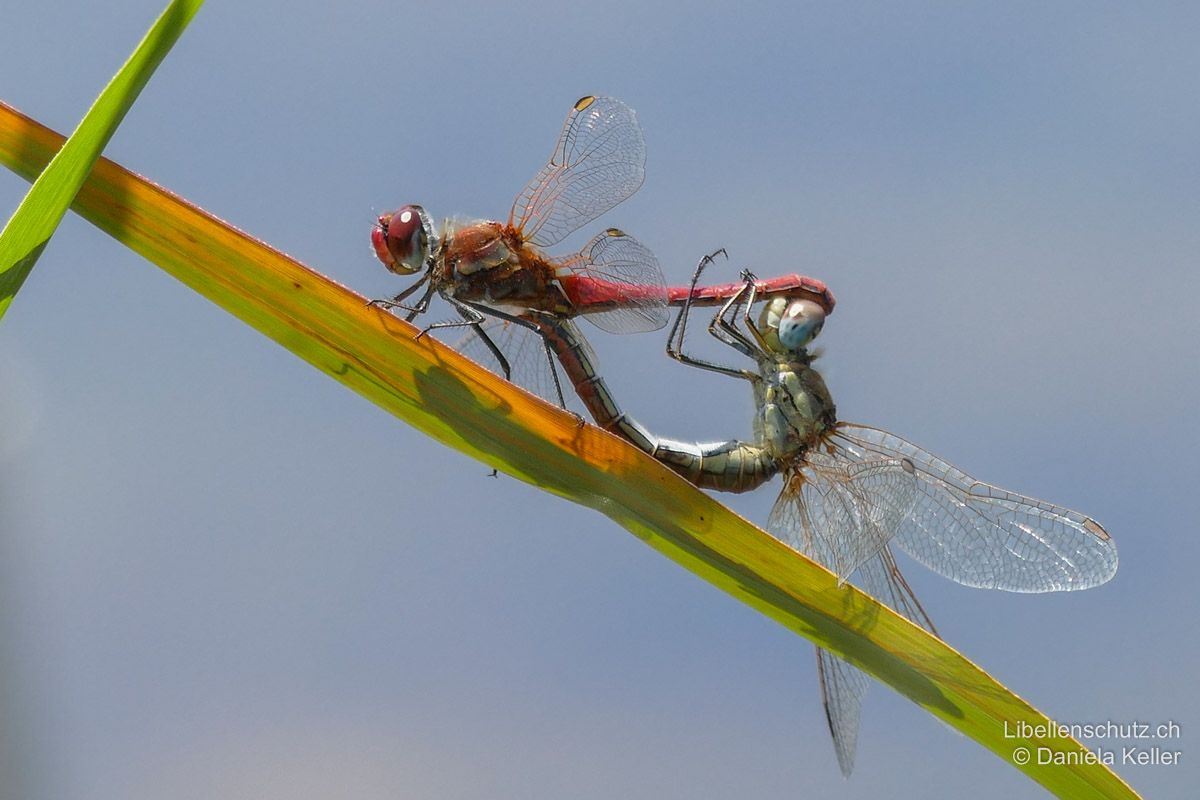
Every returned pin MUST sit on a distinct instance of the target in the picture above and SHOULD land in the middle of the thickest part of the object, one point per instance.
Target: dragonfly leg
(398, 300)
(420, 307)
(707, 261)
(533, 326)
(674, 341)
(751, 325)
(725, 331)
(473, 318)
(494, 349)
(562, 402)
(679, 330)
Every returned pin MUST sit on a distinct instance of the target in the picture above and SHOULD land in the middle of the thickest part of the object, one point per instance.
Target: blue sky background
(225, 576)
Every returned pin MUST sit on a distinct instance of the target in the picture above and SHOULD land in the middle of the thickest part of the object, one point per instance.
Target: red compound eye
(379, 240)
(400, 240)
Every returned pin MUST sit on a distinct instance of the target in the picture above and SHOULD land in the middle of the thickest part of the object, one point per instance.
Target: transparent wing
(615, 283)
(843, 686)
(526, 354)
(598, 162)
(841, 513)
(981, 535)
(881, 578)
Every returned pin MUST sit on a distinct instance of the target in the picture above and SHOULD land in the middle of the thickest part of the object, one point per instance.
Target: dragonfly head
(402, 239)
(793, 322)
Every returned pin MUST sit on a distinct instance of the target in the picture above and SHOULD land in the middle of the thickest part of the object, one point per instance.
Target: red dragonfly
(485, 268)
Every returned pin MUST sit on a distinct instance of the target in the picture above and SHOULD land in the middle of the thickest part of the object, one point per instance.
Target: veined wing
(599, 161)
(526, 354)
(880, 577)
(840, 512)
(984, 536)
(843, 686)
(616, 284)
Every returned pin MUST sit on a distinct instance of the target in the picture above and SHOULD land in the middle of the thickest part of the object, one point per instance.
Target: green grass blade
(463, 405)
(30, 227)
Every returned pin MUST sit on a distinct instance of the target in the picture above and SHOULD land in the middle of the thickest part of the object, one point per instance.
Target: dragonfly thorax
(795, 408)
(477, 247)
(488, 262)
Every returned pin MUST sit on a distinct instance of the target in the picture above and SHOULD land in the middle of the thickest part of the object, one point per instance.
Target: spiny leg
(422, 305)
(397, 301)
(679, 329)
(532, 325)
(752, 326)
(475, 315)
(727, 332)
(493, 348)
(473, 318)
(562, 402)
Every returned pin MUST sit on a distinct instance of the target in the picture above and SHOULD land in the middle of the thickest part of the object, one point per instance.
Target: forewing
(841, 513)
(984, 536)
(615, 283)
(599, 161)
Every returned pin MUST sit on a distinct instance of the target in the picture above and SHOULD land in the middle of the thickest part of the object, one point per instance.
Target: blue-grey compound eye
(800, 324)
